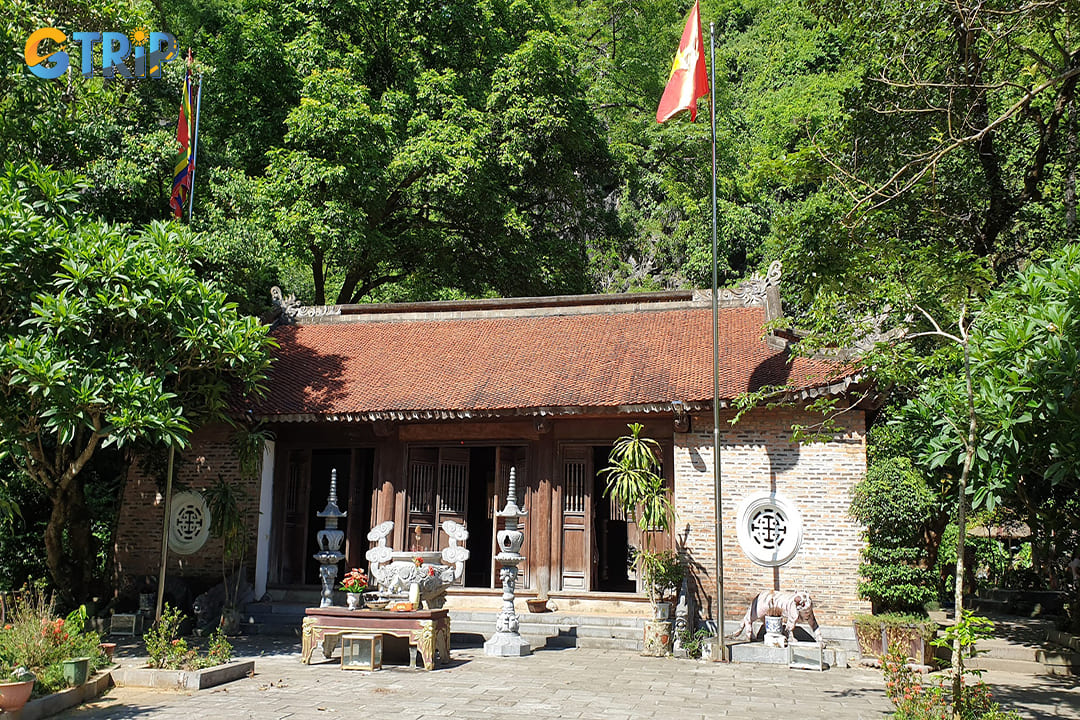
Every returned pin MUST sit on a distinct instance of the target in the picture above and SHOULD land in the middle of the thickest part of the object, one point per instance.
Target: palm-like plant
(635, 485)
(633, 481)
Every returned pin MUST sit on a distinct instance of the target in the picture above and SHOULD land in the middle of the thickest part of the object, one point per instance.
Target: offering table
(426, 630)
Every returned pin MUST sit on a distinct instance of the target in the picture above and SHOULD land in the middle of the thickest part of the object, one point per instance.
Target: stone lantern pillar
(329, 541)
(506, 642)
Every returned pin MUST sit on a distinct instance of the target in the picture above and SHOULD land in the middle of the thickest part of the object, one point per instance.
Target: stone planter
(537, 605)
(13, 695)
(183, 679)
(876, 635)
(50, 705)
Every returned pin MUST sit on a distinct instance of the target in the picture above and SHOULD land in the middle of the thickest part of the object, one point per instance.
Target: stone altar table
(426, 630)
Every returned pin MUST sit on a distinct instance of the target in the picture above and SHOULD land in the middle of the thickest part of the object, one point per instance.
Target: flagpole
(717, 494)
(194, 151)
(165, 535)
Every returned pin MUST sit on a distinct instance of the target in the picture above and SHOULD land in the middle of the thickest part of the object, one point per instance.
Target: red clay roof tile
(590, 361)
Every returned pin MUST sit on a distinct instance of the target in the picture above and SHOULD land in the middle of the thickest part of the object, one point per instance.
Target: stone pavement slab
(568, 683)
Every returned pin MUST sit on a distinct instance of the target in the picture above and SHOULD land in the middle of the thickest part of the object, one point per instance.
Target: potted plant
(639, 490)
(16, 684)
(228, 523)
(662, 574)
(635, 485)
(354, 584)
(896, 506)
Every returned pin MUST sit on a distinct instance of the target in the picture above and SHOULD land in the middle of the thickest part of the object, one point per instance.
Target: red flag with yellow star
(688, 80)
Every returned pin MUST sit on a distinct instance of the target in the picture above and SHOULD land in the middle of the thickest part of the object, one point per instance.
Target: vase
(353, 600)
(657, 638)
(13, 695)
(774, 624)
(76, 670)
(230, 621)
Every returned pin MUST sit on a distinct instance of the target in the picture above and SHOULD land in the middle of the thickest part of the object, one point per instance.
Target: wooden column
(542, 451)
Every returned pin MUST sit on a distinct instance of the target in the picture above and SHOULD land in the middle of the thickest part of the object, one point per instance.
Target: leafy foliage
(634, 484)
(108, 338)
(895, 505)
(35, 639)
(168, 651)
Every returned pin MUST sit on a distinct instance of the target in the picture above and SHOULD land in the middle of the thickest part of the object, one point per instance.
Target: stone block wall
(141, 520)
(757, 455)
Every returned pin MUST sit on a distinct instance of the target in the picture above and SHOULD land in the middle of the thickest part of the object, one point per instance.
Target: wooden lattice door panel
(575, 496)
(423, 471)
(438, 491)
(295, 517)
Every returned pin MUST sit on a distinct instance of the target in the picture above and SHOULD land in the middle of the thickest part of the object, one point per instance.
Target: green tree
(1025, 345)
(108, 338)
(425, 150)
(898, 509)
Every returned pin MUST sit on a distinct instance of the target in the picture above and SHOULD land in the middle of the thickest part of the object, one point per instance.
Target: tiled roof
(517, 364)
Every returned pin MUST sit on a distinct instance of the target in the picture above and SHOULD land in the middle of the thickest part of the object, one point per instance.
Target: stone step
(1064, 639)
(606, 632)
(1059, 661)
(1005, 650)
(552, 619)
(1024, 667)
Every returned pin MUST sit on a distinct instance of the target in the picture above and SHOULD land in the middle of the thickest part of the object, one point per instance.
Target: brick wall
(142, 510)
(758, 455)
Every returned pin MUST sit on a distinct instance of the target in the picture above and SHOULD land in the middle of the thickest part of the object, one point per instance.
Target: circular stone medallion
(769, 529)
(189, 525)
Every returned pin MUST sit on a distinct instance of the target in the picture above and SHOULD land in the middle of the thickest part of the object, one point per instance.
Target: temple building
(423, 409)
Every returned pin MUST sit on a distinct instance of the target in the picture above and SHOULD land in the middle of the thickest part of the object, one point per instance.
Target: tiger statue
(795, 607)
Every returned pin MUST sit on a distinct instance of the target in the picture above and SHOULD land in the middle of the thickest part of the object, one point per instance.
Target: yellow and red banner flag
(688, 80)
(182, 172)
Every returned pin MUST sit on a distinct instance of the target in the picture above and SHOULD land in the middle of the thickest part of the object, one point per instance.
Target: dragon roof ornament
(752, 292)
(291, 308)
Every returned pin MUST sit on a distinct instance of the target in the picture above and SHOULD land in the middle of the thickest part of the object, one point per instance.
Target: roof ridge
(753, 292)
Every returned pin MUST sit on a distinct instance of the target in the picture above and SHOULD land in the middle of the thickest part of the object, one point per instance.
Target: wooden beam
(457, 431)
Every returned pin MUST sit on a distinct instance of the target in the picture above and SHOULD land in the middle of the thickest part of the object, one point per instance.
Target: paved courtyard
(570, 683)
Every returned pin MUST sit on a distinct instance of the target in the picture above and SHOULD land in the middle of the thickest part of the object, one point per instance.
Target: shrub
(915, 701)
(38, 641)
(167, 651)
(895, 505)
(694, 642)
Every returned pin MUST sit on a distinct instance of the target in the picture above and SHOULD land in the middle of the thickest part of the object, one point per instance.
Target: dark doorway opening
(358, 523)
(478, 519)
(355, 468)
(614, 570)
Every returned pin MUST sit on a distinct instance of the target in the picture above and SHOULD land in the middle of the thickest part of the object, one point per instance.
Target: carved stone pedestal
(507, 645)
(658, 638)
(776, 640)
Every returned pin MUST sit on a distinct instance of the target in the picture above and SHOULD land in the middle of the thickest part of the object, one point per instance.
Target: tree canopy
(108, 337)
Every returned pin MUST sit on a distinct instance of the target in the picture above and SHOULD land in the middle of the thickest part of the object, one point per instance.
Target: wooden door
(294, 528)
(575, 499)
(423, 471)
